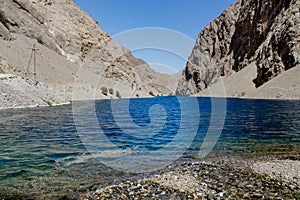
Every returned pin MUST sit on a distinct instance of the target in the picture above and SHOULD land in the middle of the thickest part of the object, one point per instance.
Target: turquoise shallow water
(43, 155)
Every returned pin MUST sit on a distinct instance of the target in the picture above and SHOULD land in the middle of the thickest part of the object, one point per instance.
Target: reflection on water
(42, 155)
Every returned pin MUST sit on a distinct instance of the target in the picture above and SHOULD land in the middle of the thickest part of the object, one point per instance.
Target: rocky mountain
(67, 39)
(259, 33)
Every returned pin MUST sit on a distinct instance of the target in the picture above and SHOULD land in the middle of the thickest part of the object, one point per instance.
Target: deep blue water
(42, 150)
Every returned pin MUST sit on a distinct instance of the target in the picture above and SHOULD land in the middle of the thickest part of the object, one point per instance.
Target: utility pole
(33, 54)
(34, 63)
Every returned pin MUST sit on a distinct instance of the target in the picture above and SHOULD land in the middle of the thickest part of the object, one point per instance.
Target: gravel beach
(20, 92)
(216, 179)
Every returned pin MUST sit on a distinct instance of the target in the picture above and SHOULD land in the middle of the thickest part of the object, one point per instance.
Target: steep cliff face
(68, 39)
(59, 25)
(265, 32)
(281, 49)
(211, 55)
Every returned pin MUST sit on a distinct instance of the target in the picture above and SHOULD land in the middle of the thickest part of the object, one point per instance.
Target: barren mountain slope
(67, 39)
(260, 32)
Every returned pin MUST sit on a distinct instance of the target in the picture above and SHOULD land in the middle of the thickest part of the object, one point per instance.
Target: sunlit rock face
(262, 32)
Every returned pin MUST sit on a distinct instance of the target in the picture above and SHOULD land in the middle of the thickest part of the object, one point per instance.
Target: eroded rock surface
(257, 31)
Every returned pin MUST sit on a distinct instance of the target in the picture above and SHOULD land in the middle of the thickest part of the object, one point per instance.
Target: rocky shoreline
(216, 179)
(19, 92)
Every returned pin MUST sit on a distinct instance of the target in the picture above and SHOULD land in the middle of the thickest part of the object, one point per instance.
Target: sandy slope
(52, 69)
(240, 84)
(284, 86)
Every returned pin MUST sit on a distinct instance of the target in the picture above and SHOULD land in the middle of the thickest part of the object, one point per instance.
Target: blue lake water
(45, 154)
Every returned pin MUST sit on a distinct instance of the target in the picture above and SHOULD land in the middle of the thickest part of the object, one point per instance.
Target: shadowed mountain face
(68, 39)
(260, 32)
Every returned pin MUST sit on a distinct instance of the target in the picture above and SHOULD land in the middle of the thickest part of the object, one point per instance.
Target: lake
(64, 151)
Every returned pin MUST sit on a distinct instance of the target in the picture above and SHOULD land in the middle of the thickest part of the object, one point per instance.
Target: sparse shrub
(242, 94)
(111, 91)
(104, 91)
(118, 95)
(47, 102)
(151, 93)
(2, 71)
(3, 19)
(137, 95)
(40, 39)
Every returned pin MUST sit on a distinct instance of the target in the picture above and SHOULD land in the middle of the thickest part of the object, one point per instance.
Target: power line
(33, 54)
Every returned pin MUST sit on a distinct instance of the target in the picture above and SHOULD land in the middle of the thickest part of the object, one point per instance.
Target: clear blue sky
(185, 16)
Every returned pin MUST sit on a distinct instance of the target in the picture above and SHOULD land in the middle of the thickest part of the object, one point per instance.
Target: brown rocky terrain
(263, 33)
(68, 39)
(244, 49)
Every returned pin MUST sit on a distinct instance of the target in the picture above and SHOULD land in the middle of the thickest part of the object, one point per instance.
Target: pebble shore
(20, 92)
(222, 179)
